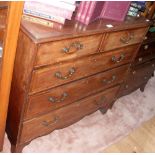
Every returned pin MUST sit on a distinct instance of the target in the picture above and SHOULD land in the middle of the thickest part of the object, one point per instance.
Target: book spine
(45, 16)
(79, 11)
(82, 11)
(48, 9)
(41, 21)
(103, 10)
(59, 4)
(90, 12)
(83, 17)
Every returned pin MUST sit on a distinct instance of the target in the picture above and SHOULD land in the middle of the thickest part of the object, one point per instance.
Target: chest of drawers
(62, 76)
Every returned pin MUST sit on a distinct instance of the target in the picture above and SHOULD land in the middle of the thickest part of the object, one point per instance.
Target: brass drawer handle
(126, 86)
(127, 39)
(117, 60)
(77, 45)
(145, 77)
(134, 72)
(55, 100)
(146, 47)
(109, 81)
(70, 73)
(50, 123)
(140, 59)
(101, 101)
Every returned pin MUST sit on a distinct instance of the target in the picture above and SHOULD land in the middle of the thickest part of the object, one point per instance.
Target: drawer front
(138, 76)
(63, 73)
(74, 91)
(67, 115)
(145, 53)
(123, 38)
(58, 51)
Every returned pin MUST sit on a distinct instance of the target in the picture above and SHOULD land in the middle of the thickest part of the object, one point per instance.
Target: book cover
(93, 11)
(57, 3)
(115, 10)
(47, 9)
(42, 22)
(45, 16)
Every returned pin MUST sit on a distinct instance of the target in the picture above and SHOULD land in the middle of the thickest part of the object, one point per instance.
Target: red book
(115, 10)
(79, 11)
(84, 13)
(93, 12)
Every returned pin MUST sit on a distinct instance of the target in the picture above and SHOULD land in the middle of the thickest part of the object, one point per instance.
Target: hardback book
(79, 10)
(57, 3)
(42, 22)
(115, 10)
(47, 9)
(84, 12)
(45, 16)
(93, 11)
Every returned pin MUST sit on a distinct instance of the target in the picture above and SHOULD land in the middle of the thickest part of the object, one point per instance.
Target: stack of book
(49, 13)
(136, 7)
(90, 11)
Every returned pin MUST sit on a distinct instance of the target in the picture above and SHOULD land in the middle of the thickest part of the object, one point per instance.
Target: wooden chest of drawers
(62, 76)
(142, 68)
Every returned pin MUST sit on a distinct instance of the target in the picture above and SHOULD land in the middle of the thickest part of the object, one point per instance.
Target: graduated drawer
(122, 38)
(50, 77)
(67, 115)
(74, 91)
(57, 51)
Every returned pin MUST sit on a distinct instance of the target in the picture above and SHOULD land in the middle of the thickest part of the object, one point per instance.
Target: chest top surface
(40, 34)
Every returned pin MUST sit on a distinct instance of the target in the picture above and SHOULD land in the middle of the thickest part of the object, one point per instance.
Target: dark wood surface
(43, 72)
(65, 116)
(40, 34)
(77, 90)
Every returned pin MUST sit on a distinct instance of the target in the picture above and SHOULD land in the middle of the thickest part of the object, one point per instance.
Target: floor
(141, 140)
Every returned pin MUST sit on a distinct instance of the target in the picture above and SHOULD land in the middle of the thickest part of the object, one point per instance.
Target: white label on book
(147, 20)
(109, 25)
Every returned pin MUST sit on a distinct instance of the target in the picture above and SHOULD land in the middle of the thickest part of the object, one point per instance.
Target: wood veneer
(91, 75)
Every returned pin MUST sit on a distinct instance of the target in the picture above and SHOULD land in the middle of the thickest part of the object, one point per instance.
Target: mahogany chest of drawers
(60, 76)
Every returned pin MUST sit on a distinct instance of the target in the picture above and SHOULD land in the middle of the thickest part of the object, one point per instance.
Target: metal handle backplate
(113, 78)
(70, 73)
(50, 123)
(128, 38)
(117, 60)
(56, 100)
(76, 45)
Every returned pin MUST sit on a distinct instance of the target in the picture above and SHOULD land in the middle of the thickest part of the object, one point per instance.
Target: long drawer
(122, 38)
(58, 51)
(53, 76)
(74, 91)
(65, 116)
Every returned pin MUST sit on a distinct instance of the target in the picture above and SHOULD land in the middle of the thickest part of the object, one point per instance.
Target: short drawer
(53, 76)
(67, 115)
(57, 51)
(74, 91)
(123, 38)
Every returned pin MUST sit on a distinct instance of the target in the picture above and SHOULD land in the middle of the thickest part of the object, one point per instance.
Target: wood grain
(9, 51)
(83, 67)
(140, 140)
